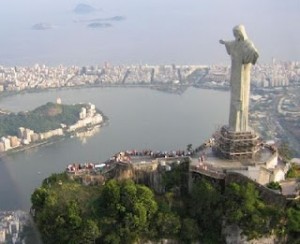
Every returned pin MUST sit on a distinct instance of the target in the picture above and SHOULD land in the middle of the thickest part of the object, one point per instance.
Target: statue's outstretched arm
(228, 45)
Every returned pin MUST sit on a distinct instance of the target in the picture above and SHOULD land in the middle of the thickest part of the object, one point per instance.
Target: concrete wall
(272, 161)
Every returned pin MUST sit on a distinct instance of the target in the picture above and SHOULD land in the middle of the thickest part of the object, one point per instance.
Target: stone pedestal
(236, 145)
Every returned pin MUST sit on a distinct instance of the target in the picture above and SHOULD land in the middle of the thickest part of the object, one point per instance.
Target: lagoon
(139, 118)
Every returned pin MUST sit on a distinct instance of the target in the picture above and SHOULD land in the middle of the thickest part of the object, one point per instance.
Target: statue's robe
(243, 55)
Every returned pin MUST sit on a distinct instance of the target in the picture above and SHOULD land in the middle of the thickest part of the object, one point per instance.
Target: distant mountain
(42, 26)
(84, 9)
(114, 18)
(99, 25)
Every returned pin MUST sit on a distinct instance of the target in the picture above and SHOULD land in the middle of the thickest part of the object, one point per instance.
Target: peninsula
(49, 121)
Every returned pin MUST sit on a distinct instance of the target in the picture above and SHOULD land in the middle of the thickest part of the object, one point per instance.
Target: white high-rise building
(21, 132)
(58, 100)
(27, 134)
(2, 149)
(6, 143)
(2, 236)
(82, 114)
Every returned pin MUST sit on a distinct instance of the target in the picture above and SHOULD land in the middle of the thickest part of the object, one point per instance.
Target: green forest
(66, 211)
(44, 118)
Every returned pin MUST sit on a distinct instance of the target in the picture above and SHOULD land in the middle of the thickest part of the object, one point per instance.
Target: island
(99, 25)
(22, 130)
(42, 26)
(84, 9)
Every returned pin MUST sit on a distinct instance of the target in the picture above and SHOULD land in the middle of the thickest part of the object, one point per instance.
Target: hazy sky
(153, 31)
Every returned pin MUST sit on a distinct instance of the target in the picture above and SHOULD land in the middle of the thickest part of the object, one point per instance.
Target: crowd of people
(130, 156)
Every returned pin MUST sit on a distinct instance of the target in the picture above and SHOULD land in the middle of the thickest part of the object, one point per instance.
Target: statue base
(236, 145)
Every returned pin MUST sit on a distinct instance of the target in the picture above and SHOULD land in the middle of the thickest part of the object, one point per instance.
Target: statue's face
(237, 34)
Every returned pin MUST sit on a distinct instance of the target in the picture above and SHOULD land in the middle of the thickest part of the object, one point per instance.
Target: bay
(139, 118)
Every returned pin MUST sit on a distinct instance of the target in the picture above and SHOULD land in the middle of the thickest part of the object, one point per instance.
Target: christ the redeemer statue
(243, 55)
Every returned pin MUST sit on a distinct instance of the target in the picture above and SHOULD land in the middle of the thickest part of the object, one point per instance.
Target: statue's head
(239, 33)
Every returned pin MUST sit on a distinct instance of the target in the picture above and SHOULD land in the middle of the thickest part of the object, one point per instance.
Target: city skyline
(147, 32)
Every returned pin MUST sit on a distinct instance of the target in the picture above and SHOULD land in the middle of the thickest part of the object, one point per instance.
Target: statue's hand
(222, 41)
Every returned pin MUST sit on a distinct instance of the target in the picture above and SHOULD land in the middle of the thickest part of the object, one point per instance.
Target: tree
(129, 207)
(274, 185)
(90, 231)
(167, 224)
(110, 198)
(189, 232)
(38, 198)
(293, 222)
(177, 178)
(244, 207)
(189, 147)
(61, 212)
(293, 172)
(206, 207)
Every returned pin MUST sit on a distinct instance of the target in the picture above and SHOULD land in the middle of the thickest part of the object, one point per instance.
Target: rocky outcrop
(233, 235)
(152, 179)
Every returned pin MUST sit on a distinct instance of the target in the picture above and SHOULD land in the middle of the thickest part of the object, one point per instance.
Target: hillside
(44, 118)
(67, 211)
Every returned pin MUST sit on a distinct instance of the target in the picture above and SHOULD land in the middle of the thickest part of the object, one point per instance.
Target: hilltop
(124, 211)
